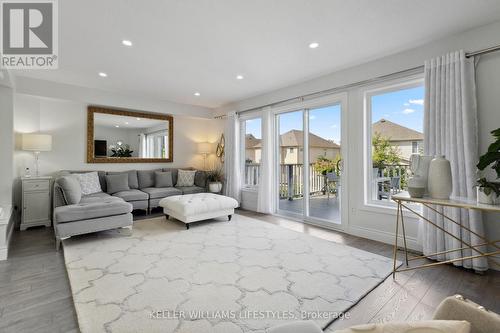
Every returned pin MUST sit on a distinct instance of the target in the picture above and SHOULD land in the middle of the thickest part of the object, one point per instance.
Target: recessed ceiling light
(197, 94)
(117, 126)
(138, 118)
(102, 74)
(126, 123)
(126, 42)
(313, 45)
(239, 77)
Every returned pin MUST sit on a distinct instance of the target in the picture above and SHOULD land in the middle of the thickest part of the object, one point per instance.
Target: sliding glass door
(290, 162)
(325, 163)
(309, 167)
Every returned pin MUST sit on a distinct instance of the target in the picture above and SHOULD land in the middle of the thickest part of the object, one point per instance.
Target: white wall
(378, 223)
(66, 121)
(6, 166)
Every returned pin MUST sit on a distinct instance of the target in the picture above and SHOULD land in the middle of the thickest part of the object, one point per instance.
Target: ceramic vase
(214, 187)
(417, 186)
(439, 180)
(419, 165)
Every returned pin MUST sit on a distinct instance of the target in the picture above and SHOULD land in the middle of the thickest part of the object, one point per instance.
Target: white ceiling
(181, 47)
(111, 120)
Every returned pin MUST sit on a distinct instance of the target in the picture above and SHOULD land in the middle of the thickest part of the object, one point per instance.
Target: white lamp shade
(37, 142)
(204, 148)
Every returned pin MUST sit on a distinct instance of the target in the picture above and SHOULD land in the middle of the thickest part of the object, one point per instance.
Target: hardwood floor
(35, 295)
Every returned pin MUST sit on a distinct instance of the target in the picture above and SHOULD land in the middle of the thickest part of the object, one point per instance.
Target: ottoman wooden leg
(187, 226)
(166, 215)
(229, 218)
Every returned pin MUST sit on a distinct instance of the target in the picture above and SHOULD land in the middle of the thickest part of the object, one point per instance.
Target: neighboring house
(252, 149)
(291, 145)
(406, 140)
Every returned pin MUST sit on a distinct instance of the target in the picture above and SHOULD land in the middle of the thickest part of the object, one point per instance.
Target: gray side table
(36, 202)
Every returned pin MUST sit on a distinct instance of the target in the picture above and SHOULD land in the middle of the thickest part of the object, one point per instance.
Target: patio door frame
(305, 106)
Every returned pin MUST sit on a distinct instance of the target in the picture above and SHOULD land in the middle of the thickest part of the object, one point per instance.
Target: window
(395, 131)
(414, 147)
(251, 130)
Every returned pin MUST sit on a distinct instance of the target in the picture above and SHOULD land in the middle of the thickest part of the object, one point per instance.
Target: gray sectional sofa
(112, 208)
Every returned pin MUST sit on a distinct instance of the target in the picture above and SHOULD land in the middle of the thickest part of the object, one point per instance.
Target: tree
(383, 153)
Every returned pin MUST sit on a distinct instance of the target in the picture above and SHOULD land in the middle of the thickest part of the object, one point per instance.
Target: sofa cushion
(303, 326)
(98, 197)
(86, 211)
(146, 178)
(191, 189)
(89, 182)
(133, 181)
(71, 189)
(174, 172)
(200, 178)
(427, 326)
(132, 195)
(155, 192)
(117, 183)
(100, 174)
(163, 179)
(185, 178)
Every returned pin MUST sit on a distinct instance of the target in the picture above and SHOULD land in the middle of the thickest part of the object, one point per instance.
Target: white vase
(439, 182)
(214, 187)
(417, 186)
(483, 198)
(419, 165)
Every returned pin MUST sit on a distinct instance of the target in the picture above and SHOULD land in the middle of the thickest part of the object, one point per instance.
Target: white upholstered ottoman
(197, 207)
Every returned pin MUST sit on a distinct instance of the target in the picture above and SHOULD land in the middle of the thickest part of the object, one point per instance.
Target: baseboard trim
(384, 237)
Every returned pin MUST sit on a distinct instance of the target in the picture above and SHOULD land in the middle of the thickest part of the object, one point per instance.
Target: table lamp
(37, 143)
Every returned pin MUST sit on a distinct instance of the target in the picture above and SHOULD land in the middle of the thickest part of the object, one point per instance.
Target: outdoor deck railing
(291, 178)
(290, 174)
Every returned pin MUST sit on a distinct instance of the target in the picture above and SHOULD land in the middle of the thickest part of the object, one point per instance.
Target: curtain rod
(414, 70)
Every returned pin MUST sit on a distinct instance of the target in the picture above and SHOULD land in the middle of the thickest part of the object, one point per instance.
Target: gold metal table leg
(396, 243)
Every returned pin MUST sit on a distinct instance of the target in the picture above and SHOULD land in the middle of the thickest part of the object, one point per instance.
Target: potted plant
(486, 189)
(215, 178)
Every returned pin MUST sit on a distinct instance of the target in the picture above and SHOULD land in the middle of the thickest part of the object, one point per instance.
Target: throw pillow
(71, 189)
(133, 181)
(117, 183)
(146, 178)
(185, 178)
(427, 326)
(89, 182)
(163, 179)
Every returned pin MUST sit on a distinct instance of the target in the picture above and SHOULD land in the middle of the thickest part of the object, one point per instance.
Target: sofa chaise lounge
(112, 206)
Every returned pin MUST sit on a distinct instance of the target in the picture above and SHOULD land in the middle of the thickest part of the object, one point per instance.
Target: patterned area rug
(240, 276)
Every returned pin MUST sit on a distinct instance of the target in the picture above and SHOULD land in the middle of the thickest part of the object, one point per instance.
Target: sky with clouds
(404, 107)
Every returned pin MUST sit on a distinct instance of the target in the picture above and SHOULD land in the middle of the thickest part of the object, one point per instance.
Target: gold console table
(403, 199)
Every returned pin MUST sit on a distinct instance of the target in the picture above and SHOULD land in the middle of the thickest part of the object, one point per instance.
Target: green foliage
(324, 165)
(215, 175)
(492, 156)
(383, 153)
(488, 187)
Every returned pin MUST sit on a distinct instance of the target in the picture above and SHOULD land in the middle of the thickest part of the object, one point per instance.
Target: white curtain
(232, 156)
(265, 191)
(450, 129)
(142, 145)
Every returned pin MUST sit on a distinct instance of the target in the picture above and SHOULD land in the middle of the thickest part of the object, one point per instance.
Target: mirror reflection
(117, 136)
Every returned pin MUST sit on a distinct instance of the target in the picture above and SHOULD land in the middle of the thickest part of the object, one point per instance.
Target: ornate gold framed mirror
(124, 136)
